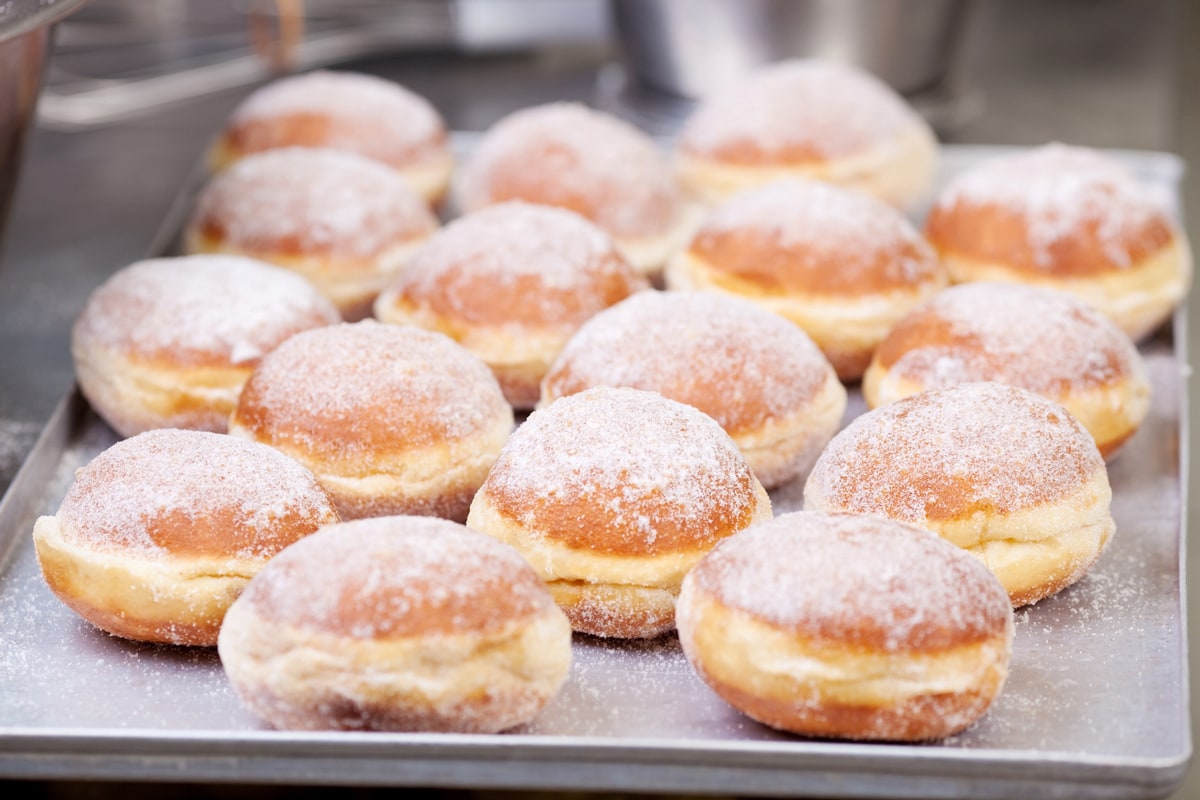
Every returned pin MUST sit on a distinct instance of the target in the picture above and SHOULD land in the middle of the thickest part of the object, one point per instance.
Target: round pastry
(1066, 218)
(847, 626)
(758, 375)
(1043, 340)
(391, 419)
(592, 163)
(807, 119)
(843, 266)
(396, 624)
(347, 111)
(159, 533)
(1003, 473)
(612, 495)
(511, 283)
(168, 343)
(344, 222)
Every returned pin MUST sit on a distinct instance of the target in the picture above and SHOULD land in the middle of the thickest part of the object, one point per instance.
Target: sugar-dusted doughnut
(348, 111)
(1068, 218)
(511, 283)
(396, 624)
(1043, 340)
(344, 222)
(1005, 474)
(807, 119)
(391, 419)
(843, 266)
(758, 375)
(612, 495)
(168, 343)
(159, 533)
(847, 626)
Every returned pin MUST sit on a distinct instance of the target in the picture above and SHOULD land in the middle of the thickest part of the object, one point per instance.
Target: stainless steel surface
(1094, 705)
(690, 47)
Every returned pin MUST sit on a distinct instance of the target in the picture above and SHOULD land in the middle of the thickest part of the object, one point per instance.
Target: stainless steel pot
(689, 47)
(25, 43)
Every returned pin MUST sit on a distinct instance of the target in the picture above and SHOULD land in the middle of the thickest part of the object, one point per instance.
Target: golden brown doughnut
(847, 626)
(159, 533)
(344, 222)
(511, 283)
(396, 624)
(391, 419)
(843, 266)
(1067, 218)
(566, 155)
(758, 375)
(168, 343)
(1043, 340)
(347, 111)
(612, 495)
(1007, 475)
(807, 119)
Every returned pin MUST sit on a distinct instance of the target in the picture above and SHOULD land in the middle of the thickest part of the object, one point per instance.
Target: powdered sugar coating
(821, 235)
(298, 201)
(1062, 192)
(362, 113)
(564, 154)
(354, 390)
(858, 580)
(623, 471)
(798, 110)
(1046, 341)
(518, 264)
(947, 453)
(397, 576)
(172, 492)
(201, 309)
(733, 360)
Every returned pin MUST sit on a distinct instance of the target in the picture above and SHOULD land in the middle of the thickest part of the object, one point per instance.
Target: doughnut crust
(1066, 218)
(168, 343)
(396, 624)
(511, 283)
(758, 375)
(348, 111)
(159, 533)
(847, 626)
(612, 495)
(841, 265)
(807, 119)
(1007, 475)
(590, 162)
(391, 419)
(1043, 340)
(346, 223)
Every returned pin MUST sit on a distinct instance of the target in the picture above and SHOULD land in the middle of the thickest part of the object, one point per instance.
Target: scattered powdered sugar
(565, 154)
(843, 235)
(821, 107)
(196, 308)
(1040, 339)
(1061, 192)
(630, 466)
(354, 387)
(857, 579)
(520, 261)
(120, 499)
(310, 200)
(396, 576)
(945, 453)
(738, 363)
(364, 113)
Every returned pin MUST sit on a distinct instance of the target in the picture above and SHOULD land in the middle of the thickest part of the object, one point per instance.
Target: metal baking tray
(1096, 705)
